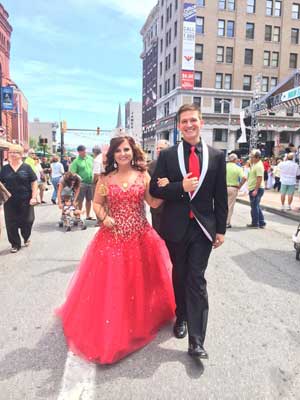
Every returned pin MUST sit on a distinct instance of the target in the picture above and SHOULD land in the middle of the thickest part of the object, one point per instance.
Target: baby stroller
(70, 215)
(296, 240)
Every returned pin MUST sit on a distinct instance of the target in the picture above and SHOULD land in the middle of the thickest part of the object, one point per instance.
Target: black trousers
(18, 215)
(190, 258)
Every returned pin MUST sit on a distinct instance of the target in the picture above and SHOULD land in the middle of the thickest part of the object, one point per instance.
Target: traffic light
(43, 141)
(63, 126)
(98, 131)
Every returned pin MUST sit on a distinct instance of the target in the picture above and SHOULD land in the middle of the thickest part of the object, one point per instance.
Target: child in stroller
(67, 193)
(70, 215)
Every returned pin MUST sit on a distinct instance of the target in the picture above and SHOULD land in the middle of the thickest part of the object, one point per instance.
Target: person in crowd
(244, 188)
(121, 294)
(66, 163)
(46, 169)
(30, 159)
(271, 177)
(193, 220)
(235, 180)
(69, 185)
(40, 179)
(21, 181)
(289, 170)
(256, 189)
(57, 171)
(290, 149)
(98, 167)
(83, 166)
(276, 171)
(266, 165)
(156, 212)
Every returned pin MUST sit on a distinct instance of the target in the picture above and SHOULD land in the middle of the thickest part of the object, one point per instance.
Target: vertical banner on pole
(188, 46)
(7, 98)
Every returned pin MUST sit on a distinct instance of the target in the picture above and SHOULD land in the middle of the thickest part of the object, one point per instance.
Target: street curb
(284, 214)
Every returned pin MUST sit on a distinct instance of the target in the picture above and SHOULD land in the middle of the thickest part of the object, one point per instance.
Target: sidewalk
(271, 202)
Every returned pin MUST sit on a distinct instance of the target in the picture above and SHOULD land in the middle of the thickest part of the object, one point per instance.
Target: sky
(76, 60)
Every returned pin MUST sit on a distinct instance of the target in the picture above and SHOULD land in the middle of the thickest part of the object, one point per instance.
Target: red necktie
(194, 168)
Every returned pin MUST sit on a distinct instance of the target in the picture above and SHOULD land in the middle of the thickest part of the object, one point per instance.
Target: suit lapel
(181, 162)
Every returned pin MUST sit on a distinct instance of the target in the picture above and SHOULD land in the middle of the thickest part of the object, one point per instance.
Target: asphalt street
(253, 336)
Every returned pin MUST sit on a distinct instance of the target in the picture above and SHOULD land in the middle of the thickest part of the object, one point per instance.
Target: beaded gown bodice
(127, 208)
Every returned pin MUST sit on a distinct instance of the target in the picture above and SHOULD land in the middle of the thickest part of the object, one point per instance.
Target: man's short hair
(81, 147)
(188, 107)
(96, 150)
(290, 156)
(255, 153)
(232, 157)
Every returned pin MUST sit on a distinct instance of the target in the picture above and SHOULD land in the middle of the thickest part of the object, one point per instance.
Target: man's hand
(254, 193)
(190, 184)
(219, 240)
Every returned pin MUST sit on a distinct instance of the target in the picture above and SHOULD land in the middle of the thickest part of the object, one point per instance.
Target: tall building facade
(216, 53)
(149, 56)
(133, 119)
(44, 130)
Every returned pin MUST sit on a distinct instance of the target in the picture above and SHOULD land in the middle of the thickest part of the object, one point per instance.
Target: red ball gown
(121, 293)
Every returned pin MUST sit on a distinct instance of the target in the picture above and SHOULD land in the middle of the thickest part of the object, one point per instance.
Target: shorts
(86, 192)
(287, 189)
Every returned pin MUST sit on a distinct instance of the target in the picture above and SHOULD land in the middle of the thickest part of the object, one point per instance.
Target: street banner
(189, 37)
(243, 137)
(187, 80)
(7, 98)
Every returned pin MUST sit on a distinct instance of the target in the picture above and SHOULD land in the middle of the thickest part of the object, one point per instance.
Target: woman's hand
(162, 182)
(33, 201)
(109, 222)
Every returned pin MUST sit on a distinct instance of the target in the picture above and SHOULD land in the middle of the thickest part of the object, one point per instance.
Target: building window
(228, 82)
(220, 135)
(160, 68)
(200, 25)
(295, 36)
(248, 56)
(277, 10)
(273, 83)
(267, 58)
(231, 5)
(199, 52)
(249, 30)
(174, 81)
(276, 34)
(268, 33)
(221, 27)
(160, 91)
(219, 81)
(161, 45)
(176, 4)
(201, 3)
(245, 103)
(218, 106)
(230, 28)
(197, 101)
(220, 54)
(247, 82)
(251, 6)
(174, 55)
(269, 7)
(222, 4)
(293, 60)
(198, 79)
(229, 55)
(296, 11)
(166, 109)
(275, 59)
(265, 84)
(175, 29)
(162, 22)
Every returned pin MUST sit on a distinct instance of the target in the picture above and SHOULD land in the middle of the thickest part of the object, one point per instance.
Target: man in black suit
(193, 220)
(156, 212)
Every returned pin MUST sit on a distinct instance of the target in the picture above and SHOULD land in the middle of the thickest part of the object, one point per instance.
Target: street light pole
(223, 101)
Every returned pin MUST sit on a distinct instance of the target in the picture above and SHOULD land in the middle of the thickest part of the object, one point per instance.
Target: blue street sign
(7, 98)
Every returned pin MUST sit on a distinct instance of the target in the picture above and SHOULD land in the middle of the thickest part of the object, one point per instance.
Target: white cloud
(134, 8)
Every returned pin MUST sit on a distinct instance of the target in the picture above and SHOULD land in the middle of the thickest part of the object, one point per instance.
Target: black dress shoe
(180, 329)
(197, 350)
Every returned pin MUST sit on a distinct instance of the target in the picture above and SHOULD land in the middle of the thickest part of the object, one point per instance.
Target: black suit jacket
(209, 204)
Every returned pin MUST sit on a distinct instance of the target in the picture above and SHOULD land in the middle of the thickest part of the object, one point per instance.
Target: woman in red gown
(121, 293)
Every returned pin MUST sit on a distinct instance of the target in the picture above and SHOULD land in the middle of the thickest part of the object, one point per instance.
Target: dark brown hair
(188, 107)
(110, 156)
(71, 180)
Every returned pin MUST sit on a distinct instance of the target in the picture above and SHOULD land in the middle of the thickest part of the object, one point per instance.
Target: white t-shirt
(98, 165)
(57, 169)
(288, 172)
